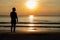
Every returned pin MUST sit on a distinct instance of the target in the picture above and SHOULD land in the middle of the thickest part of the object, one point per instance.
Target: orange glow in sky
(30, 7)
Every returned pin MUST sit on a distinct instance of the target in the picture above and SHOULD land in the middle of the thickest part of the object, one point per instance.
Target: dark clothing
(13, 16)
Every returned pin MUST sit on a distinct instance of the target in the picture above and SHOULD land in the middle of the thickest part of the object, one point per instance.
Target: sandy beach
(24, 33)
(32, 36)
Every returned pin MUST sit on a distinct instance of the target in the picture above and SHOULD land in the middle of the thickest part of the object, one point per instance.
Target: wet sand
(28, 33)
(30, 30)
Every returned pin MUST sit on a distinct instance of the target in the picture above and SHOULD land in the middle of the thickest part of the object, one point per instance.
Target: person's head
(13, 9)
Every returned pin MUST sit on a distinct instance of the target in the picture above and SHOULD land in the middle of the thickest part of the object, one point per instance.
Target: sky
(43, 7)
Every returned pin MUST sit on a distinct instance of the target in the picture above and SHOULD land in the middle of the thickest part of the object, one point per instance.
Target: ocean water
(34, 19)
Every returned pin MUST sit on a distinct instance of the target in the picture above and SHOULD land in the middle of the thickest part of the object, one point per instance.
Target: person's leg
(11, 27)
(14, 27)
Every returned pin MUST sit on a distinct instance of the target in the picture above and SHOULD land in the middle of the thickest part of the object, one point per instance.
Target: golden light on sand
(31, 4)
(31, 29)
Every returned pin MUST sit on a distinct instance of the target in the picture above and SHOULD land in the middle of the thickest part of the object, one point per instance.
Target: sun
(31, 4)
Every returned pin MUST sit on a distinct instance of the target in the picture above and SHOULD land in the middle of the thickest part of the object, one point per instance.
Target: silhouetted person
(14, 19)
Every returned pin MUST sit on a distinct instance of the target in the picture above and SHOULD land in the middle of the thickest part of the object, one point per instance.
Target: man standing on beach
(14, 19)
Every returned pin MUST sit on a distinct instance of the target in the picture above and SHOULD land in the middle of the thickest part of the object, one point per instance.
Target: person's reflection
(14, 19)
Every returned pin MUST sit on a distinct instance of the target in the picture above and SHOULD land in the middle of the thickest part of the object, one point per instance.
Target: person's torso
(13, 16)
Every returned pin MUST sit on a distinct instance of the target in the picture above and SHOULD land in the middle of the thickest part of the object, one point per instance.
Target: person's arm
(10, 14)
(16, 18)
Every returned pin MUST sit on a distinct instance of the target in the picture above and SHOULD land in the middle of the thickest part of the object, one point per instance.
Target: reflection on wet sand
(30, 30)
(38, 30)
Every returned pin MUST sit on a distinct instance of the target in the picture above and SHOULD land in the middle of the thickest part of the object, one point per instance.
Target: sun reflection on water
(31, 27)
(31, 18)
